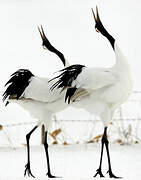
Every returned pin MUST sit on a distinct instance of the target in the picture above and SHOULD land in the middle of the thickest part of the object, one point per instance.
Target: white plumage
(111, 85)
(94, 78)
(39, 90)
(107, 88)
(40, 101)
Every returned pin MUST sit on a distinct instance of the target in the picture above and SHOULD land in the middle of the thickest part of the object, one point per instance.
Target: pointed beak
(42, 34)
(96, 18)
(97, 14)
(94, 15)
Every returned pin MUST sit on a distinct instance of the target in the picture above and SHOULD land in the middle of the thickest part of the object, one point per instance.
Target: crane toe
(28, 171)
(99, 172)
(111, 175)
(51, 176)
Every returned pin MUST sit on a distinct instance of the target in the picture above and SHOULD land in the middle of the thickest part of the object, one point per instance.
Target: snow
(73, 162)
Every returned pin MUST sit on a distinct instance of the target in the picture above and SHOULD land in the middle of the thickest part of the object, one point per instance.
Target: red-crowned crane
(34, 95)
(98, 90)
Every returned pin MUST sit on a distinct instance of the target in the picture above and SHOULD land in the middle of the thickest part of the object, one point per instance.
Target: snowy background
(69, 26)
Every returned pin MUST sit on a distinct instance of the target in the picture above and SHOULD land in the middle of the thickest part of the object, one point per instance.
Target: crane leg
(47, 157)
(111, 175)
(99, 171)
(27, 166)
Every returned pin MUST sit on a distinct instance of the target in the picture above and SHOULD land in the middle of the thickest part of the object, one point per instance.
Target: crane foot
(99, 172)
(28, 171)
(51, 176)
(111, 175)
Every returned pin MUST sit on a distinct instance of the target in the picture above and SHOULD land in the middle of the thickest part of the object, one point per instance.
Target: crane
(100, 91)
(33, 94)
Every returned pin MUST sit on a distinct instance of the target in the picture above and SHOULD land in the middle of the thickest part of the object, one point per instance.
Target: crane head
(47, 45)
(98, 24)
(45, 42)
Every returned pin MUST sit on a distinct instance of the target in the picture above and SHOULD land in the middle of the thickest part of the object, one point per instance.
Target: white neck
(66, 63)
(121, 61)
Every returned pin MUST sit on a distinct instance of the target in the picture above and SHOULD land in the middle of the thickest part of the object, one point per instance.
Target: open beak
(96, 17)
(43, 36)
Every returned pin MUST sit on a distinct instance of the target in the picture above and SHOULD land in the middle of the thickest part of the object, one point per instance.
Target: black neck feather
(111, 40)
(51, 48)
(105, 33)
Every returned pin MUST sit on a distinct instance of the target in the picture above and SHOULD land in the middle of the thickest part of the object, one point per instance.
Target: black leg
(111, 175)
(47, 157)
(27, 166)
(99, 172)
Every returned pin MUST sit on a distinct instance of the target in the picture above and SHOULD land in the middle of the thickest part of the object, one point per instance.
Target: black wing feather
(70, 92)
(17, 83)
(68, 75)
(65, 79)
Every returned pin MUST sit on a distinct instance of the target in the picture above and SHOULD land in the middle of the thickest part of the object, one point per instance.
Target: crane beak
(41, 31)
(43, 36)
(96, 17)
(97, 14)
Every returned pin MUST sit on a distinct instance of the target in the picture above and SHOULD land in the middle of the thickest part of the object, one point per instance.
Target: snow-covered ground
(71, 162)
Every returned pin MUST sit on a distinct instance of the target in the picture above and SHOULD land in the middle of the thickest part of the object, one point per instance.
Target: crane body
(100, 91)
(34, 95)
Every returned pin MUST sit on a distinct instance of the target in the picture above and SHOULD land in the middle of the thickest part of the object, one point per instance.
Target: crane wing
(94, 78)
(23, 84)
(80, 80)
(39, 90)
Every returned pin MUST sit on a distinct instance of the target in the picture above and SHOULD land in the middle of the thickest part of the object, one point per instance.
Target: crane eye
(44, 47)
(96, 29)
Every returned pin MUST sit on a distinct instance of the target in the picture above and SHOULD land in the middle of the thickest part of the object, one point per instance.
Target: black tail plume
(17, 83)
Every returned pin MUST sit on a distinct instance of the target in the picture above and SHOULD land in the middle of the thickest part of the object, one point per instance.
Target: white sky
(69, 26)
